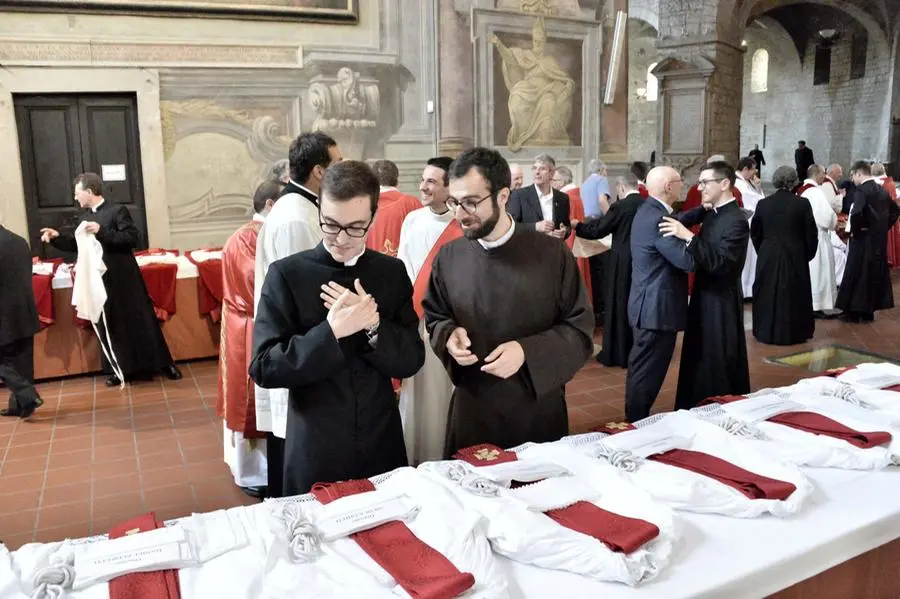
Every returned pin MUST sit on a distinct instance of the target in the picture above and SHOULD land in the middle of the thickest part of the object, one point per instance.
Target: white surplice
(821, 268)
(692, 492)
(832, 194)
(841, 249)
(522, 533)
(291, 226)
(750, 197)
(424, 398)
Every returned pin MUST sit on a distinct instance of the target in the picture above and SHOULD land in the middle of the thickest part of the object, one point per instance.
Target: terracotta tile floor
(93, 457)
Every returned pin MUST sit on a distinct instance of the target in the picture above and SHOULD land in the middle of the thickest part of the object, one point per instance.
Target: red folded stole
(620, 533)
(160, 280)
(749, 484)
(835, 372)
(162, 584)
(422, 571)
(42, 286)
(210, 286)
(817, 424)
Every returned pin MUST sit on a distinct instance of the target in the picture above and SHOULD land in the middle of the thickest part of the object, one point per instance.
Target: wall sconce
(641, 93)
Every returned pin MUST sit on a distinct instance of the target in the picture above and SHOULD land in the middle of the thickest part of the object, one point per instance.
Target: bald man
(516, 176)
(658, 301)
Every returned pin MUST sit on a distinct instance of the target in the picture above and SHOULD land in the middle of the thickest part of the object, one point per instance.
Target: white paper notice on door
(112, 172)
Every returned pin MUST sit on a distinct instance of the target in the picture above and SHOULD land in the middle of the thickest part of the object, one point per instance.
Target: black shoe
(172, 373)
(257, 492)
(29, 411)
(11, 413)
(113, 381)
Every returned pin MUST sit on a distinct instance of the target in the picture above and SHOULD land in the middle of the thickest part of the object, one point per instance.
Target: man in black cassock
(866, 286)
(507, 313)
(137, 341)
(714, 350)
(18, 325)
(334, 324)
(785, 236)
(757, 156)
(617, 335)
(803, 158)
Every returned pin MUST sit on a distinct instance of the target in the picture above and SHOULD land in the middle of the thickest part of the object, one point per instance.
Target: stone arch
(752, 9)
(646, 11)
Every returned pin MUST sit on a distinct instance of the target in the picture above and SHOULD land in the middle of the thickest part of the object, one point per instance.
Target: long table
(64, 349)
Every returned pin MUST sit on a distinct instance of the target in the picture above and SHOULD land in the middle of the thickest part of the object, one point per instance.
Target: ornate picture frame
(331, 11)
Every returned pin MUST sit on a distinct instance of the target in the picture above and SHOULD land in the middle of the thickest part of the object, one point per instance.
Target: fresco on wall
(537, 86)
(306, 10)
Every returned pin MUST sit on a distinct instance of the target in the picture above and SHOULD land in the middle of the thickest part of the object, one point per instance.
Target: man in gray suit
(658, 301)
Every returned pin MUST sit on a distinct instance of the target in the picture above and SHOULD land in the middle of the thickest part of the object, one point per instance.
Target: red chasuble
(576, 212)
(417, 567)
(749, 484)
(235, 400)
(393, 206)
(620, 533)
(420, 286)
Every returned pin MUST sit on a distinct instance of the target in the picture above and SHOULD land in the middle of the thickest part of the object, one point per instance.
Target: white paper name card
(878, 381)
(112, 172)
(364, 511)
(524, 471)
(647, 441)
(159, 549)
(763, 407)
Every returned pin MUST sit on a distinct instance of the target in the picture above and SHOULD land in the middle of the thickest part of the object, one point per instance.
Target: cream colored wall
(58, 53)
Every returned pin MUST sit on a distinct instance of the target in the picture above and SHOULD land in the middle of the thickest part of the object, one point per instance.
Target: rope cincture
(52, 581)
(304, 541)
(617, 458)
(470, 481)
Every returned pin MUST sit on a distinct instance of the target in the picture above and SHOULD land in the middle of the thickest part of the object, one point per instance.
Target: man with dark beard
(510, 329)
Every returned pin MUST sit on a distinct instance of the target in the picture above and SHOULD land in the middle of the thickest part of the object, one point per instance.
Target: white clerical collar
(259, 218)
(305, 188)
(352, 261)
(384, 188)
(668, 208)
(506, 236)
(725, 203)
(568, 188)
(97, 205)
(446, 215)
(542, 195)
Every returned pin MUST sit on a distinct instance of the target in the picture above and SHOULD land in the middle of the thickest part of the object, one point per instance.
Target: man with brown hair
(130, 323)
(393, 206)
(333, 325)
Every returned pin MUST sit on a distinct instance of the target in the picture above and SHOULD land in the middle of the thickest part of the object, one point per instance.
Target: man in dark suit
(757, 156)
(539, 205)
(18, 325)
(803, 157)
(658, 301)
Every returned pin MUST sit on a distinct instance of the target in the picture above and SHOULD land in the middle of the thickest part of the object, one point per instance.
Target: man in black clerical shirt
(334, 324)
(137, 340)
(18, 325)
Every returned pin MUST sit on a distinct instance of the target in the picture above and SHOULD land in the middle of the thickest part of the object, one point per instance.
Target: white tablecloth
(186, 270)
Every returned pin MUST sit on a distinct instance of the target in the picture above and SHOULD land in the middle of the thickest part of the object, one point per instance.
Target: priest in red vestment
(893, 237)
(393, 206)
(562, 180)
(245, 446)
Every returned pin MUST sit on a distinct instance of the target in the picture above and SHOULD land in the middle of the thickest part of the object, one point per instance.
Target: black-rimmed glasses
(351, 231)
(705, 182)
(470, 205)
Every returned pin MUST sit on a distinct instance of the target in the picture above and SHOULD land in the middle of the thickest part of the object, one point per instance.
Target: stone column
(691, 32)
(614, 132)
(457, 81)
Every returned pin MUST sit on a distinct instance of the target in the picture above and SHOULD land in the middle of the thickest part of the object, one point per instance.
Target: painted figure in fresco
(540, 93)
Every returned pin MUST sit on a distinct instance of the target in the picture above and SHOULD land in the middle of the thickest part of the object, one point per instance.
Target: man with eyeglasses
(334, 325)
(292, 226)
(507, 313)
(714, 350)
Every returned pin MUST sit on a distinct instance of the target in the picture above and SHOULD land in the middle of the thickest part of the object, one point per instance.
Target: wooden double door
(62, 135)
